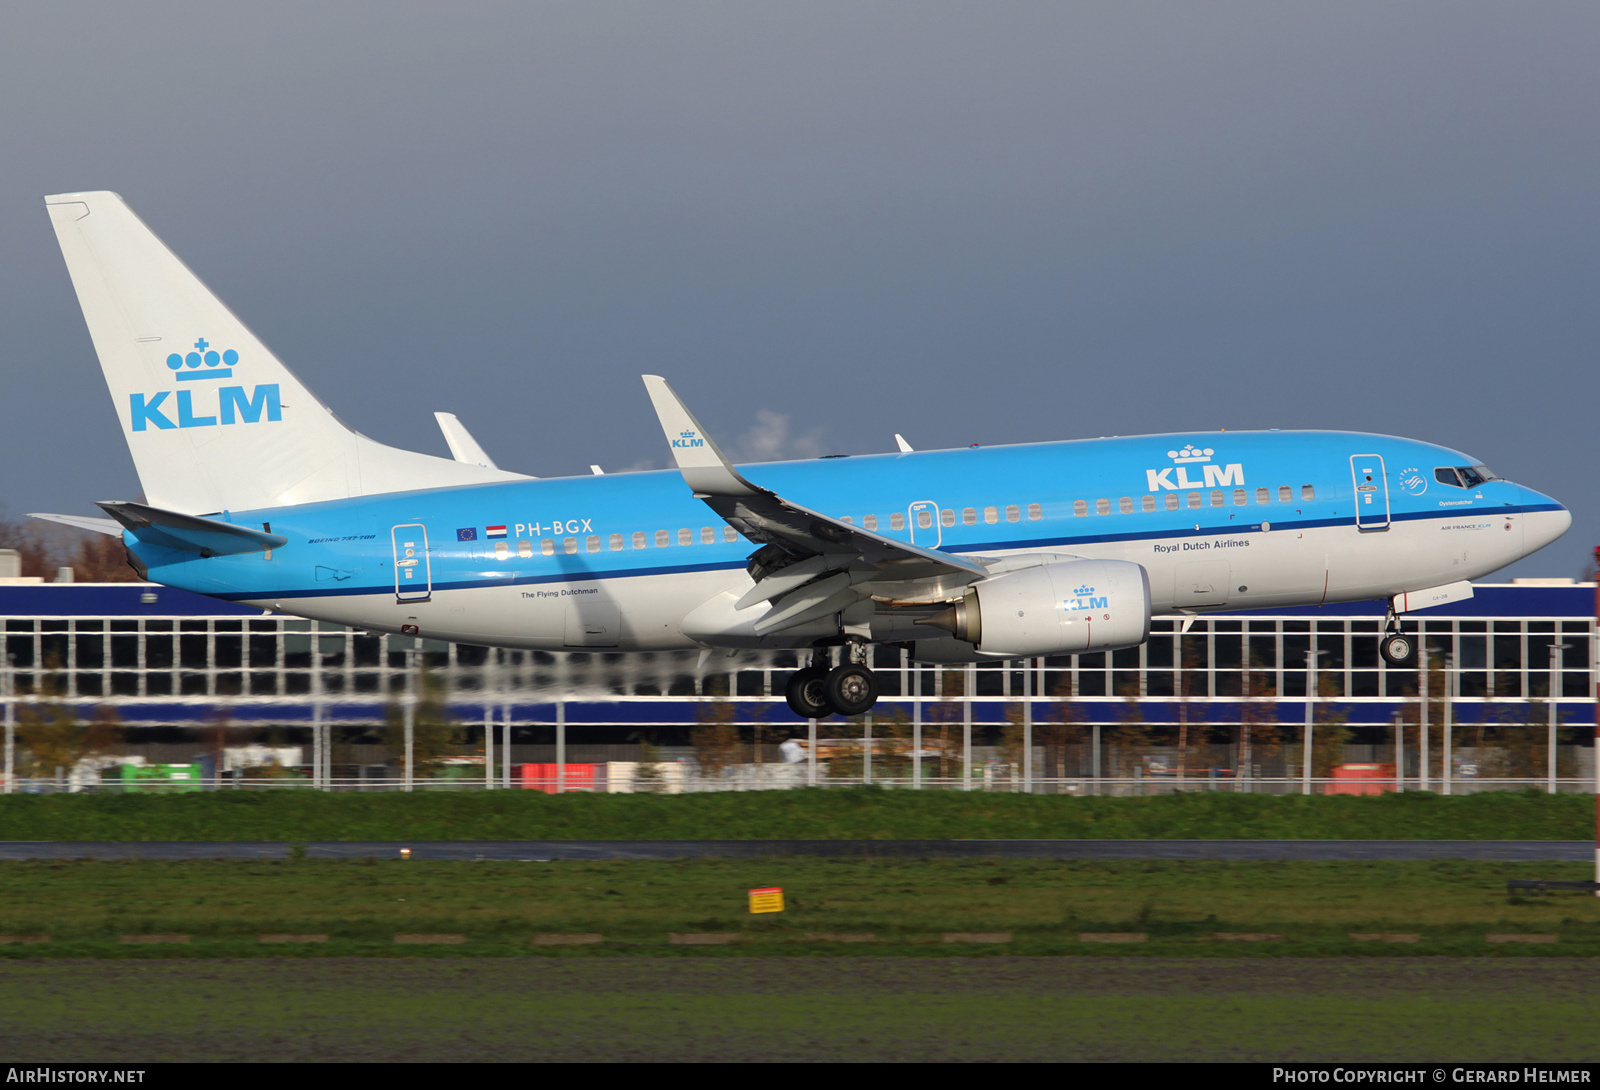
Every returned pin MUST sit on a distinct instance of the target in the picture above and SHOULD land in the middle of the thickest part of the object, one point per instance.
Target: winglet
(900, 441)
(704, 467)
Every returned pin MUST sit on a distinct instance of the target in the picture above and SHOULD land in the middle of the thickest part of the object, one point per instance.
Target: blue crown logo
(1081, 591)
(687, 434)
(203, 363)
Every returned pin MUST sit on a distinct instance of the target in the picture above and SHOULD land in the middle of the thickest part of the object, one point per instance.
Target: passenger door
(1371, 491)
(413, 574)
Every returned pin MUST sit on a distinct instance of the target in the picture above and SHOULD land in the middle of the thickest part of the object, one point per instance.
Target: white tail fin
(214, 421)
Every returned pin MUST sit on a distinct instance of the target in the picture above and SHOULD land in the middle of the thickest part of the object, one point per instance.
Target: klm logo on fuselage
(231, 406)
(688, 439)
(1177, 477)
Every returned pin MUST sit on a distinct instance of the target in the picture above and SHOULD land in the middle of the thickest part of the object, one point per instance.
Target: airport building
(1220, 698)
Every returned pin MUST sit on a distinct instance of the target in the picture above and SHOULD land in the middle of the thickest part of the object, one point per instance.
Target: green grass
(85, 905)
(887, 1009)
(816, 814)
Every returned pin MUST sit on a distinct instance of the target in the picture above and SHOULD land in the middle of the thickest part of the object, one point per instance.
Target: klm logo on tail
(688, 439)
(232, 404)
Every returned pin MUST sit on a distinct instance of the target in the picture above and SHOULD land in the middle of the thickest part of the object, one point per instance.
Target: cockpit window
(1465, 476)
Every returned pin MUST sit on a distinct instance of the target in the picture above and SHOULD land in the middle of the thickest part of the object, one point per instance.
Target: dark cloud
(967, 223)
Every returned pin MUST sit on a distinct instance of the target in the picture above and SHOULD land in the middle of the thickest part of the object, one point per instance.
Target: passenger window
(991, 515)
(730, 534)
(524, 548)
(1148, 503)
(1262, 495)
(1125, 505)
(1284, 495)
(501, 550)
(708, 536)
(638, 539)
(1172, 501)
(1307, 492)
(924, 519)
(847, 519)
(616, 543)
(1080, 507)
(1216, 497)
(1035, 512)
(897, 521)
(663, 539)
(1013, 513)
(969, 516)
(947, 517)
(870, 522)
(569, 545)
(1239, 497)
(1194, 501)
(1102, 507)
(547, 547)
(592, 543)
(685, 537)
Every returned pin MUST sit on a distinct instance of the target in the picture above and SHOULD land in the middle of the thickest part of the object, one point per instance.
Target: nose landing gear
(1397, 648)
(848, 689)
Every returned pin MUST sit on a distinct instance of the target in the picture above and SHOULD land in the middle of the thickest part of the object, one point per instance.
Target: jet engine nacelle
(1067, 608)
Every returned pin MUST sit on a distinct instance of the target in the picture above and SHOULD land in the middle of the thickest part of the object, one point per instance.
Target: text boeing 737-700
(256, 493)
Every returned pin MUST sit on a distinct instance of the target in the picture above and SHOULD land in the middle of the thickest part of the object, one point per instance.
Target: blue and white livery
(255, 492)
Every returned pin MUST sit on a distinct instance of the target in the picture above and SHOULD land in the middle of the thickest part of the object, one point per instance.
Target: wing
(810, 564)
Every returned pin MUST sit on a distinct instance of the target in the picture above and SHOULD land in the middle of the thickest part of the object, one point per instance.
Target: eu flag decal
(467, 533)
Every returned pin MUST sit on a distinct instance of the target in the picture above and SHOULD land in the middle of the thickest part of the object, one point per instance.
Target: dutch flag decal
(495, 531)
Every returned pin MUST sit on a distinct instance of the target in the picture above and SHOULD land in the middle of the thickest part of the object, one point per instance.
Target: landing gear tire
(1397, 649)
(807, 693)
(851, 689)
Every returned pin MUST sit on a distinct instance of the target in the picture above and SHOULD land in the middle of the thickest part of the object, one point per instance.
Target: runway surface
(547, 850)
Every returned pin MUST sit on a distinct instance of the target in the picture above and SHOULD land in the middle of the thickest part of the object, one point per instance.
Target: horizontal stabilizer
(463, 447)
(190, 533)
(83, 522)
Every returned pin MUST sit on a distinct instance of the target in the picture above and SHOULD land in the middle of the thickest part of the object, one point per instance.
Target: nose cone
(1540, 528)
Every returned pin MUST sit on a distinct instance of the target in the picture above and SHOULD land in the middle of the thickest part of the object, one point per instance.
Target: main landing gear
(1397, 648)
(848, 689)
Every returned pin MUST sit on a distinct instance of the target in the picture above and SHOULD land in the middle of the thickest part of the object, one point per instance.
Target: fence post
(1550, 699)
(1422, 712)
(410, 717)
(11, 726)
(1446, 772)
(1311, 700)
(1027, 726)
(968, 683)
(916, 729)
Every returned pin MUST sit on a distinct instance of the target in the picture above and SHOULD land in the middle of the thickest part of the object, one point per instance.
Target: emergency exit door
(1372, 491)
(413, 575)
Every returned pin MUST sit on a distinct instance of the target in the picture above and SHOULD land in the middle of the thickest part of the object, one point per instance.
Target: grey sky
(964, 222)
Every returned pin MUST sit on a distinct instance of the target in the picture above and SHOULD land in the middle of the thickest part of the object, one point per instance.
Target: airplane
(254, 492)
